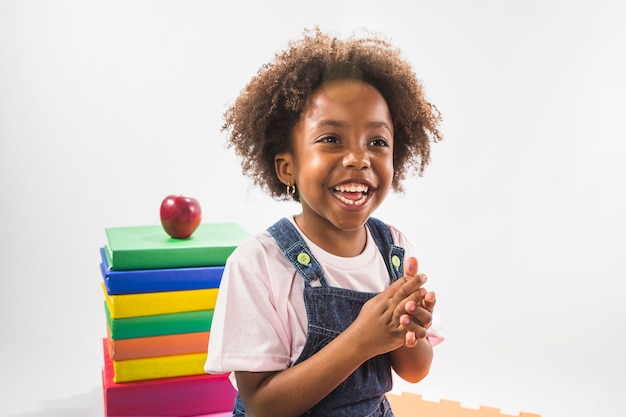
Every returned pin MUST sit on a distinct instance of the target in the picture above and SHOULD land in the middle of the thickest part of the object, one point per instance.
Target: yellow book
(159, 367)
(154, 303)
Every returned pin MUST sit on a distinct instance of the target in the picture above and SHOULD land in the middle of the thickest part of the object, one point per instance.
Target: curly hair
(261, 120)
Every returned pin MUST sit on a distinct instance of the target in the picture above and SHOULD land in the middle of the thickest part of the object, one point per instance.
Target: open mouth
(352, 194)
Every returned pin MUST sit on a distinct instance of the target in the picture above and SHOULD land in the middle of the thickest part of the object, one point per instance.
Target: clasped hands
(398, 316)
(417, 317)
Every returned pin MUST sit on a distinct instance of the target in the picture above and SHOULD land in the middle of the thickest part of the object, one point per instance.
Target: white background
(106, 107)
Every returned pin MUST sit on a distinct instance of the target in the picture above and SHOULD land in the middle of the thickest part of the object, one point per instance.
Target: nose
(356, 158)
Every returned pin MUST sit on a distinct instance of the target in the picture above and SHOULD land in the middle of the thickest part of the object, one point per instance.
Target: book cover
(153, 303)
(159, 367)
(149, 247)
(156, 280)
(177, 396)
(158, 325)
(149, 347)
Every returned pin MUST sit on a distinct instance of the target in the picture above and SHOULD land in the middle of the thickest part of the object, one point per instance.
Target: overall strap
(393, 255)
(297, 251)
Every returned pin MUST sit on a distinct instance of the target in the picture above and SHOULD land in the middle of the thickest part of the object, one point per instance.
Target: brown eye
(380, 142)
(329, 139)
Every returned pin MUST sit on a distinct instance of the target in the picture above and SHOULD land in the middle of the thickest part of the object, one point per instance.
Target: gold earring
(291, 189)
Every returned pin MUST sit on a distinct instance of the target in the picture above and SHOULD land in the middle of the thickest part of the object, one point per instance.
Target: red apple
(180, 216)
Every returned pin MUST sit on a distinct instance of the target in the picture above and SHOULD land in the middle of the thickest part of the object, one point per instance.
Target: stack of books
(159, 296)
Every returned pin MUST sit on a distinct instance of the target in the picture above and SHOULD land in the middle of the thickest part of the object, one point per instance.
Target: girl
(314, 313)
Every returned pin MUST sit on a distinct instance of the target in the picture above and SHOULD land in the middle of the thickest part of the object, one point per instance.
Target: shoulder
(260, 248)
(397, 234)
(258, 258)
(400, 238)
(260, 242)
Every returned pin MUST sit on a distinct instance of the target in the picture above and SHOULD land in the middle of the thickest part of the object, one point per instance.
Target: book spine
(158, 280)
(153, 303)
(170, 258)
(149, 347)
(158, 325)
(159, 367)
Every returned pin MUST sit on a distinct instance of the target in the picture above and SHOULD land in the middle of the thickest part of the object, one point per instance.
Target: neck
(333, 239)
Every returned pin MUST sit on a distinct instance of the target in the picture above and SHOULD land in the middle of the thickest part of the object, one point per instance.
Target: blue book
(158, 280)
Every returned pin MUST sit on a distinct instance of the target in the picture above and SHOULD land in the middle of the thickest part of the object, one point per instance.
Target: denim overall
(330, 311)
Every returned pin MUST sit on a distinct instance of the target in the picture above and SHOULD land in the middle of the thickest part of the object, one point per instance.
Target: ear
(284, 166)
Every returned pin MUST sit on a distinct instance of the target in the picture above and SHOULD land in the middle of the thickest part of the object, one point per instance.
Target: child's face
(342, 160)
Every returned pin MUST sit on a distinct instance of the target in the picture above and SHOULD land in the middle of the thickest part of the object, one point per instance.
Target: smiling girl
(314, 313)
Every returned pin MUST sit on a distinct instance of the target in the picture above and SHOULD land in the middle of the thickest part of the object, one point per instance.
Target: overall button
(304, 258)
(395, 261)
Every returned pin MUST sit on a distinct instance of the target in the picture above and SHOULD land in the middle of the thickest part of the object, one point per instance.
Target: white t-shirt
(260, 322)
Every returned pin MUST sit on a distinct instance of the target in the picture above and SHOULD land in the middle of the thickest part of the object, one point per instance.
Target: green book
(149, 247)
(158, 325)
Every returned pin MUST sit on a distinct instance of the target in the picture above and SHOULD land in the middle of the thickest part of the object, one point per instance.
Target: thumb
(410, 266)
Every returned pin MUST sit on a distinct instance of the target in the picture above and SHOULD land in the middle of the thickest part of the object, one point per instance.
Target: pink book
(227, 414)
(167, 397)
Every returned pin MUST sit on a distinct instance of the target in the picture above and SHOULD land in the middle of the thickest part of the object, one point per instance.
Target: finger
(415, 301)
(396, 285)
(409, 296)
(410, 266)
(422, 277)
(429, 301)
(410, 339)
(412, 283)
(418, 329)
(423, 293)
(409, 286)
(405, 321)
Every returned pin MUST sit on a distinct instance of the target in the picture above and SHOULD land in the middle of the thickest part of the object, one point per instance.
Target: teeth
(352, 188)
(352, 202)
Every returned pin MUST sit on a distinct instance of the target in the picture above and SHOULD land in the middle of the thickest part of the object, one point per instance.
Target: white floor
(53, 390)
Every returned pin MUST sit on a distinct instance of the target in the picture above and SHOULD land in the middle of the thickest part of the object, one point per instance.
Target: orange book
(154, 346)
